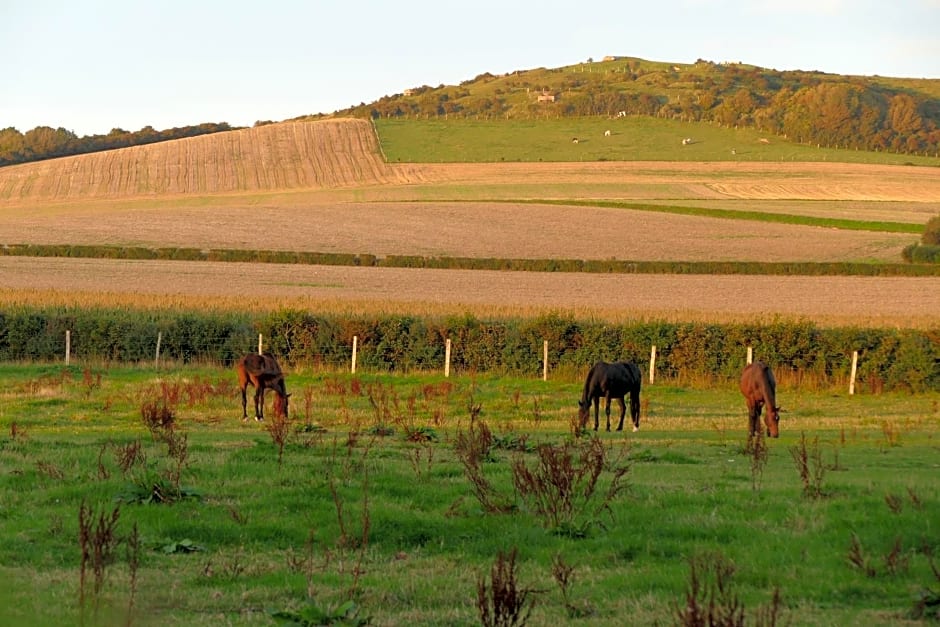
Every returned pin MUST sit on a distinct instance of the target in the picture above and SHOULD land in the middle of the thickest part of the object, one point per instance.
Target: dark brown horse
(609, 381)
(264, 373)
(760, 388)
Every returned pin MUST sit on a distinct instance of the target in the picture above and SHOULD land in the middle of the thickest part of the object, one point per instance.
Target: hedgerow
(889, 359)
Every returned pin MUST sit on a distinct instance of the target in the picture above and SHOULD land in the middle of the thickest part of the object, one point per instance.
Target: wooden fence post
(156, 358)
(750, 355)
(652, 364)
(68, 346)
(545, 360)
(259, 344)
(854, 370)
(447, 358)
(355, 347)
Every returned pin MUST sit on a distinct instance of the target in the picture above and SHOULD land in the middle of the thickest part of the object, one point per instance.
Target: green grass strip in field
(733, 214)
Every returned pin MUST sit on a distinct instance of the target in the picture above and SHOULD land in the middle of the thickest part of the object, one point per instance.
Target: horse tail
(635, 386)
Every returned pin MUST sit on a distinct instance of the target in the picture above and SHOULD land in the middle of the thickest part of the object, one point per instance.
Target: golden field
(323, 186)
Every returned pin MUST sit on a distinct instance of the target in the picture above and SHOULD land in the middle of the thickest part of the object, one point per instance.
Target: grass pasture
(368, 501)
(632, 138)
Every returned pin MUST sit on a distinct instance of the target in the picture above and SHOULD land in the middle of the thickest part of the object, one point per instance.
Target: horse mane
(585, 395)
(768, 387)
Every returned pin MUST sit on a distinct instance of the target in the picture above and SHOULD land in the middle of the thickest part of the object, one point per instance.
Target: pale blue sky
(90, 66)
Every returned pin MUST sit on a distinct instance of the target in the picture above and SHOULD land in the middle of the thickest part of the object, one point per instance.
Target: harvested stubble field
(323, 186)
(838, 300)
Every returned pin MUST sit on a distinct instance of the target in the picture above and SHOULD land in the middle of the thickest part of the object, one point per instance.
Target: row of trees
(851, 112)
(45, 142)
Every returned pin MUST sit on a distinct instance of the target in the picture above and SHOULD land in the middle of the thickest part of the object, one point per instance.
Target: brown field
(322, 186)
(866, 301)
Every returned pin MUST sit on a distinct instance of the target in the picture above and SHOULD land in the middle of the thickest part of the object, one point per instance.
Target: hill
(272, 157)
(242, 166)
(867, 113)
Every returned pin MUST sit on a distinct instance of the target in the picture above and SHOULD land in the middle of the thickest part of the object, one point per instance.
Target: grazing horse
(614, 380)
(760, 388)
(264, 373)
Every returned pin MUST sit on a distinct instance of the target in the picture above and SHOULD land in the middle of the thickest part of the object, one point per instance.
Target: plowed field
(323, 186)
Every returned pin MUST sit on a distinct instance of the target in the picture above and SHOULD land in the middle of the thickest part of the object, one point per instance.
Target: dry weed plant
(563, 574)
(710, 600)
(347, 540)
(16, 431)
(473, 448)
(279, 428)
(504, 603)
(562, 486)
(808, 460)
(758, 452)
(159, 417)
(97, 538)
(891, 433)
(858, 559)
(49, 470)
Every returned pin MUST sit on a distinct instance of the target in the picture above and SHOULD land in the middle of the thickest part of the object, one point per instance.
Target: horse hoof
(635, 429)
(259, 419)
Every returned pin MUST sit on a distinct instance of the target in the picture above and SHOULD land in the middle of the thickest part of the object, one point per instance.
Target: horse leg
(635, 409)
(753, 415)
(244, 403)
(607, 410)
(597, 411)
(259, 403)
(623, 412)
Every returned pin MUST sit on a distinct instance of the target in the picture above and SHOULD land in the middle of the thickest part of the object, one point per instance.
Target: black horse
(264, 373)
(614, 380)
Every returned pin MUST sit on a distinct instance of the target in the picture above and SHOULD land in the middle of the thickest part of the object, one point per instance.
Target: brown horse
(759, 388)
(614, 380)
(264, 373)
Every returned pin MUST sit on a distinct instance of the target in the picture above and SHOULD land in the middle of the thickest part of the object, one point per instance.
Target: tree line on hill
(866, 113)
(45, 142)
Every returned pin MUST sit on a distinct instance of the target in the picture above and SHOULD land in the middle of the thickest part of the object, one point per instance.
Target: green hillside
(812, 108)
(632, 138)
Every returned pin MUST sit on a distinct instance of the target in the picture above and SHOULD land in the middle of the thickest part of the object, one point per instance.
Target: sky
(90, 66)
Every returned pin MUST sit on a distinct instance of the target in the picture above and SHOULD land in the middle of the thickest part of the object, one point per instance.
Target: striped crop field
(324, 186)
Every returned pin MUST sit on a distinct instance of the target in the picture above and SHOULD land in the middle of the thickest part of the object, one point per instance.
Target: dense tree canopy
(44, 142)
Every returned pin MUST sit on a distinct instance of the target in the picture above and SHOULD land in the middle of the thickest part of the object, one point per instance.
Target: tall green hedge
(889, 359)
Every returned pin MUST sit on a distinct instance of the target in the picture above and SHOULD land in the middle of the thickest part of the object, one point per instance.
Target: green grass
(270, 536)
(742, 214)
(633, 138)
